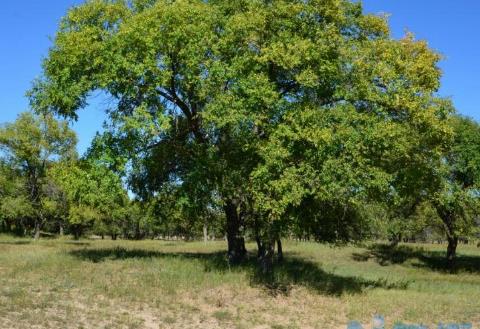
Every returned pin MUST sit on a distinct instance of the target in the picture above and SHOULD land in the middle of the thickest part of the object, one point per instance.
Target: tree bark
(37, 230)
(260, 247)
(7, 227)
(236, 242)
(266, 261)
(76, 232)
(396, 240)
(452, 250)
(279, 250)
(205, 233)
(448, 218)
(137, 230)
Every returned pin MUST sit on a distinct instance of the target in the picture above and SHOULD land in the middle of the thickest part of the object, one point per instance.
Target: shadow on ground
(77, 243)
(15, 242)
(385, 254)
(291, 271)
(25, 242)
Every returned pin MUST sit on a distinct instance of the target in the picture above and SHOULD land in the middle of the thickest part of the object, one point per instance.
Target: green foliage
(457, 198)
(16, 207)
(94, 195)
(288, 115)
(29, 146)
(33, 140)
(464, 155)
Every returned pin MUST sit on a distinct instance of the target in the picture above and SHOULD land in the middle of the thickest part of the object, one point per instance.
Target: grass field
(159, 284)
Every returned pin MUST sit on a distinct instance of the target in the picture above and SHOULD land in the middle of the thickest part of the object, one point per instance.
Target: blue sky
(450, 27)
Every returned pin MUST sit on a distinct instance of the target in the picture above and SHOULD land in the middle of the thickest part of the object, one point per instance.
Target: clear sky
(451, 28)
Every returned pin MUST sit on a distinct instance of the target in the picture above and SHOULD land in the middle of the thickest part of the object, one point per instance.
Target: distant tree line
(250, 119)
(46, 188)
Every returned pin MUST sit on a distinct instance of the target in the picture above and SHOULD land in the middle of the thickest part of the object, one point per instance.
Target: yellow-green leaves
(274, 103)
(35, 140)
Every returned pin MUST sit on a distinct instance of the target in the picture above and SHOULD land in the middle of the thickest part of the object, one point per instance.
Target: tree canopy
(264, 109)
(29, 146)
(457, 198)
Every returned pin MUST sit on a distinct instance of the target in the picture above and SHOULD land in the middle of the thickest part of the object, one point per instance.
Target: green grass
(159, 284)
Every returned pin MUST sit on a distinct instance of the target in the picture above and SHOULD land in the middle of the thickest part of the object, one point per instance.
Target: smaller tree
(457, 198)
(95, 197)
(15, 210)
(29, 146)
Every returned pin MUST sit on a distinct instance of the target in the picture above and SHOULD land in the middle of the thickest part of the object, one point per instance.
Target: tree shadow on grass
(292, 271)
(26, 242)
(77, 243)
(15, 242)
(385, 254)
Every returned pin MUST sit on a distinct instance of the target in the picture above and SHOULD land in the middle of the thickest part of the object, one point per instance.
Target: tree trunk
(448, 218)
(279, 250)
(76, 232)
(7, 228)
(260, 248)
(236, 242)
(37, 230)
(205, 233)
(137, 231)
(266, 261)
(452, 250)
(61, 231)
(396, 239)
